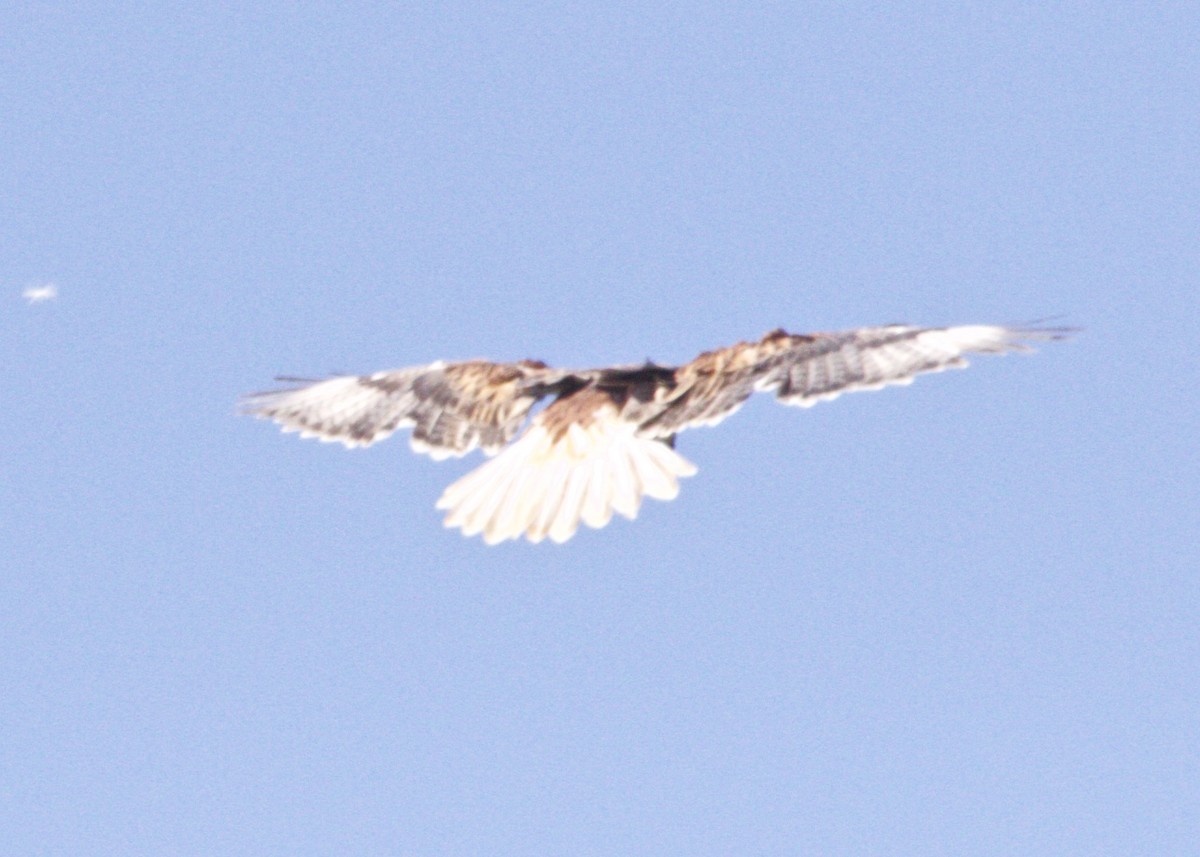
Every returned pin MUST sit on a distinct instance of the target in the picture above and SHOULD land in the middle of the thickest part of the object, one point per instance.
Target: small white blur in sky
(40, 293)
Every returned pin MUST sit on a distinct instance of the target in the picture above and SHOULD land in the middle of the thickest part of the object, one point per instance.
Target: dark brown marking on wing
(471, 401)
(717, 382)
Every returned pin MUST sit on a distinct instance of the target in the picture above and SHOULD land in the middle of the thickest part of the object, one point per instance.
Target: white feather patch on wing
(542, 486)
(325, 409)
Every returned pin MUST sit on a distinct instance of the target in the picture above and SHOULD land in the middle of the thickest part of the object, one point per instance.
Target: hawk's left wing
(806, 369)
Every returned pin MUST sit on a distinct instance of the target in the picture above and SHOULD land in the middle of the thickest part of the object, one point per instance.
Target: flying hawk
(608, 435)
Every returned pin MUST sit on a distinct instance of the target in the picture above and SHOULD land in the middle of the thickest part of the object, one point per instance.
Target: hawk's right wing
(452, 407)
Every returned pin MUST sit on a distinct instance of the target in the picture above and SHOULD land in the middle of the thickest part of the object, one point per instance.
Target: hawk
(607, 436)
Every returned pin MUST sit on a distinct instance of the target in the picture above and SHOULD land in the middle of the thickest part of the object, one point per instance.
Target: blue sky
(955, 618)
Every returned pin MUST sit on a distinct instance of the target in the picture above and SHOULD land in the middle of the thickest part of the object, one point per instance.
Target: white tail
(541, 486)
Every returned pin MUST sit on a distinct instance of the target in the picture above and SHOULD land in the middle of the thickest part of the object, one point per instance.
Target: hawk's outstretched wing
(452, 407)
(607, 438)
(809, 368)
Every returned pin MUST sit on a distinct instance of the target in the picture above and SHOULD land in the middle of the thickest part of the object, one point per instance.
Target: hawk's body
(607, 437)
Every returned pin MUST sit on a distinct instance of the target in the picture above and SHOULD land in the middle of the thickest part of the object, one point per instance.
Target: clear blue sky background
(959, 618)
